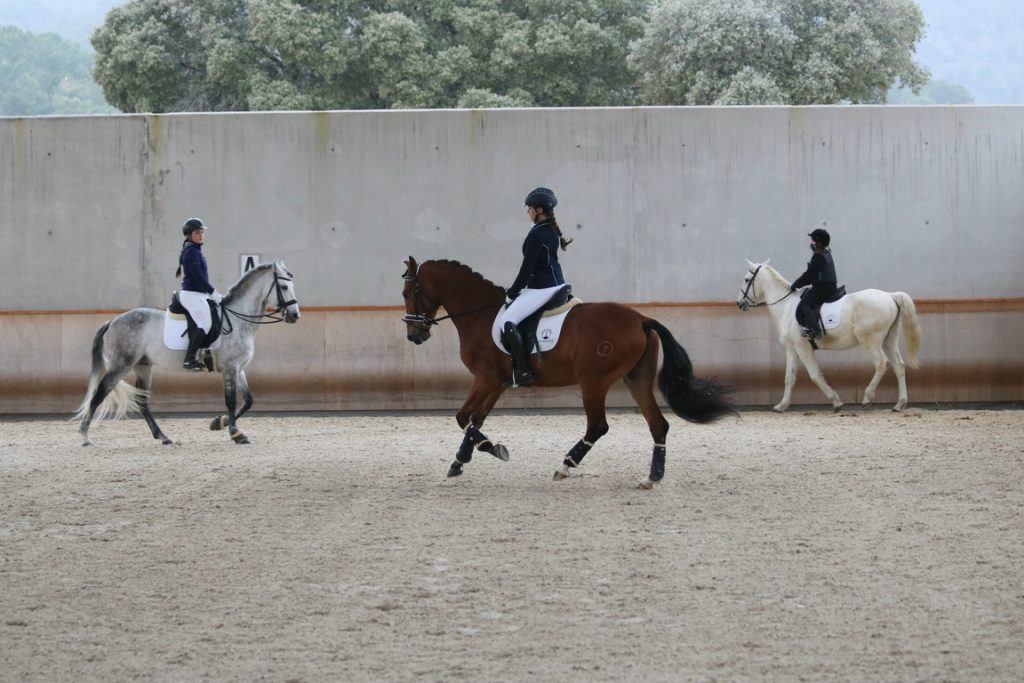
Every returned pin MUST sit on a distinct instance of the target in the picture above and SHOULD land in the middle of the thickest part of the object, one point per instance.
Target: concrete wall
(665, 205)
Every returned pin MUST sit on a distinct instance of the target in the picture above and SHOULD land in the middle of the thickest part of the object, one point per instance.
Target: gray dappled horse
(134, 341)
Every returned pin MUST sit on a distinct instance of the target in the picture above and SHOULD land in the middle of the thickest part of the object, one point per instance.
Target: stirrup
(193, 365)
(811, 334)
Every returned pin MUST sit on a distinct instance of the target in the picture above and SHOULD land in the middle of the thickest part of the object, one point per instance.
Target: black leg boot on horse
(513, 341)
(195, 337)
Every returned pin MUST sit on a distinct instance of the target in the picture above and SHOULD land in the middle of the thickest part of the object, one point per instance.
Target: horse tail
(908, 316)
(691, 398)
(121, 400)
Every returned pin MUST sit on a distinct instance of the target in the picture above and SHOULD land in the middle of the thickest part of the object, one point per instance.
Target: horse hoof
(836, 409)
(780, 408)
(454, 471)
(646, 485)
(500, 452)
(167, 442)
(86, 443)
(561, 473)
(217, 424)
(866, 405)
(240, 438)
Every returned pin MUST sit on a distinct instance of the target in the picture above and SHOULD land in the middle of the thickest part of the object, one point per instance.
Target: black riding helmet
(821, 236)
(542, 197)
(191, 225)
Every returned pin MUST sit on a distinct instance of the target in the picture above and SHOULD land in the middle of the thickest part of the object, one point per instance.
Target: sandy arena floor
(863, 546)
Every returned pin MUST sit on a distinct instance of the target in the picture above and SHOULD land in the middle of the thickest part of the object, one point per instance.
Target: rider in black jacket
(821, 276)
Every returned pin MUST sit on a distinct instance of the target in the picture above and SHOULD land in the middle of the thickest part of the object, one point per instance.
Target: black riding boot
(521, 375)
(195, 336)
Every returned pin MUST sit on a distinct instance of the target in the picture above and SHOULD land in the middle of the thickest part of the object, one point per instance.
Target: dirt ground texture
(859, 546)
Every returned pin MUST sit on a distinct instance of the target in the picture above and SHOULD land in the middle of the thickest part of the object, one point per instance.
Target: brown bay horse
(600, 344)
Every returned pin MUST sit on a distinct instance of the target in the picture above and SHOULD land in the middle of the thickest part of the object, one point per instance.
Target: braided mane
(456, 265)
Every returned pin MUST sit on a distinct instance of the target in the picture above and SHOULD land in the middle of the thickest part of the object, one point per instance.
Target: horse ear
(410, 266)
(766, 262)
(751, 264)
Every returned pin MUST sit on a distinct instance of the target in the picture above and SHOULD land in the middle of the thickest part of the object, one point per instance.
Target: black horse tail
(691, 398)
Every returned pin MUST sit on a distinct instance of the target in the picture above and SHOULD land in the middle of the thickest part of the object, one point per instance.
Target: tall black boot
(521, 375)
(195, 336)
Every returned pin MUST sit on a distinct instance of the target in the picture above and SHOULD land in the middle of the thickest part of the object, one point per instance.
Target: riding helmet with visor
(821, 236)
(542, 197)
(191, 225)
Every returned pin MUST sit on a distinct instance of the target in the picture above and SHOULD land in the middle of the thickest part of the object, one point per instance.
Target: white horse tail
(122, 399)
(908, 316)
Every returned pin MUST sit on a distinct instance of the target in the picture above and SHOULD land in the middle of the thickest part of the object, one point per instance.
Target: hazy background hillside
(973, 49)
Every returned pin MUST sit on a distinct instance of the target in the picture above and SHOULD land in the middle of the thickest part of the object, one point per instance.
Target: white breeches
(528, 301)
(196, 305)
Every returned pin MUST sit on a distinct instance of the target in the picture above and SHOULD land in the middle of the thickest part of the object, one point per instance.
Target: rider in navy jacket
(821, 276)
(540, 275)
(196, 277)
(540, 268)
(195, 288)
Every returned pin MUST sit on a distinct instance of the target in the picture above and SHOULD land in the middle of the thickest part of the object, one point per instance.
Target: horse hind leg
(597, 426)
(143, 382)
(899, 368)
(640, 383)
(881, 365)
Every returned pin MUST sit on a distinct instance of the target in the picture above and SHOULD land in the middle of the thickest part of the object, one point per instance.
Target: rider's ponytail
(554, 224)
(178, 272)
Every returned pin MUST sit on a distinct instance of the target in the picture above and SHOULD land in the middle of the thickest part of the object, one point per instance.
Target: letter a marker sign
(249, 261)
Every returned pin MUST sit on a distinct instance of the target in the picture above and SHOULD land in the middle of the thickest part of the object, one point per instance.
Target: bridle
(750, 303)
(424, 321)
(275, 316)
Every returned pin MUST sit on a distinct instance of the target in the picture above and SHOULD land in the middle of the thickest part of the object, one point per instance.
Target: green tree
(45, 74)
(173, 55)
(777, 51)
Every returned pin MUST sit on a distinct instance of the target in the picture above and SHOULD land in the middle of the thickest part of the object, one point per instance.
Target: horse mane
(463, 268)
(246, 279)
(774, 273)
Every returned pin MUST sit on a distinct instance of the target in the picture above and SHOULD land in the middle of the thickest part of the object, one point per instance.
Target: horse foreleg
(230, 398)
(787, 395)
(881, 365)
(811, 363)
(143, 381)
(597, 426)
(470, 418)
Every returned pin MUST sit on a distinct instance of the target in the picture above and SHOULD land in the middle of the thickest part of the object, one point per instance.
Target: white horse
(870, 318)
(134, 341)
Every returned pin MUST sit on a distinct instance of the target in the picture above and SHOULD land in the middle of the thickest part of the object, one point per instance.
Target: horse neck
(247, 296)
(775, 288)
(467, 297)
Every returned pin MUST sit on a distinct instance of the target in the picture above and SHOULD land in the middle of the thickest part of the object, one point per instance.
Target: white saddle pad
(830, 314)
(175, 336)
(548, 330)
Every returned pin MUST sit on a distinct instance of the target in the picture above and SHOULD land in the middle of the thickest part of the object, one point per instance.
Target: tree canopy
(182, 55)
(778, 51)
(45, 74)
(162, 55)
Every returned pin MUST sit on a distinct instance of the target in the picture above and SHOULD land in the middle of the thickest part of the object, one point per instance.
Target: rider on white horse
(196, 290)
(821, 276)
(540, 276)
